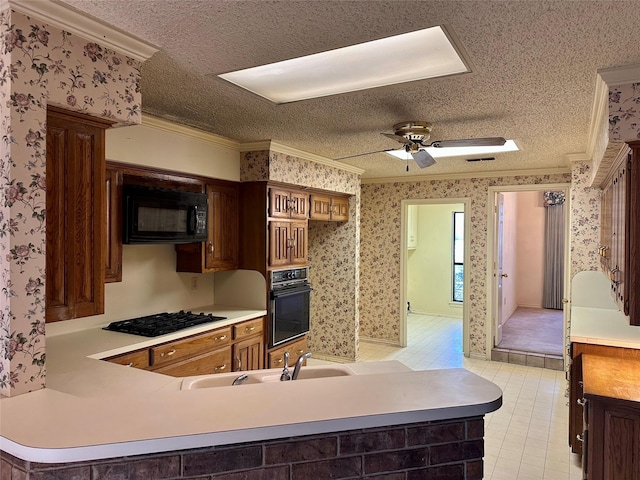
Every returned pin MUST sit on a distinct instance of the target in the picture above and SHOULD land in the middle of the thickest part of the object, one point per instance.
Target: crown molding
(171, 127)
(65, 17)
(280, 148)
(465, 176)
(578, 157)
(620, 75)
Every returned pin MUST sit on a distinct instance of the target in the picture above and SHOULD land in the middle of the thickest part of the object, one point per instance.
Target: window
(458, 257)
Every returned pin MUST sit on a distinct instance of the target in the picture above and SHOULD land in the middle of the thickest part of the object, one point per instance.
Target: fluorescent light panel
(402, 58)
(509, 146)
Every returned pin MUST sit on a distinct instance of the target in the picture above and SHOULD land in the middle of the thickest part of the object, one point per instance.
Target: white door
(497, 271)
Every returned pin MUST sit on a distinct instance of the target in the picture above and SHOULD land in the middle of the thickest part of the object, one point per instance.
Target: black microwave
(157, 215)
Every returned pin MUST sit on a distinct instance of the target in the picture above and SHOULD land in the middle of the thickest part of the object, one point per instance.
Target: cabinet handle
(249, 329)
(219, 369)
(211, 247)
(130, 364)
(580, 437)
(279, 361)
(239, 363)
(168, 354)
(219, 339)
(299, 352)
(581, 401)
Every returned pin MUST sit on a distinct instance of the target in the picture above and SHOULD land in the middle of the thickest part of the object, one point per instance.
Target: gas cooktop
(161, 323)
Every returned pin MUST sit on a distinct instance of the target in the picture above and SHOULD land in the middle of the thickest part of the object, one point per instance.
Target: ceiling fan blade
(363, 154)
(423, 159)
(470, 142)
(398, 138)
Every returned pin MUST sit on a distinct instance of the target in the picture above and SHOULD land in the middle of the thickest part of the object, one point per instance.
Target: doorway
(526, 315)
(433, 286)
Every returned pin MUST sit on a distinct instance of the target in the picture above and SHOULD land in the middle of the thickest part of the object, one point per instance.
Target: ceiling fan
(415, 135)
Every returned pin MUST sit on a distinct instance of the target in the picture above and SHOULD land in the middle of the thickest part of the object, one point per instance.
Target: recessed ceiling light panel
(402, 58)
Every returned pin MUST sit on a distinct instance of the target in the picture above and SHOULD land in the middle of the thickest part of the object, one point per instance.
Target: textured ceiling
(533, 72)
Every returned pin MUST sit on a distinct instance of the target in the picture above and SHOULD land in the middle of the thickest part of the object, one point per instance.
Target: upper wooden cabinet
(75, 260)
(329, 207)
(620, 230)
(288, 204)
(220, 252)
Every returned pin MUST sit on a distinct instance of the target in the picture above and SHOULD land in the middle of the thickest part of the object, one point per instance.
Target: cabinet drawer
(295, 349)
(218, 361)
(137, 359)
(248, 329)
(186, 347)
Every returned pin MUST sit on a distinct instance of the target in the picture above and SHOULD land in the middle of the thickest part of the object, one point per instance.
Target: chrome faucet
(298, 367)
(285, 371)
(240, 380)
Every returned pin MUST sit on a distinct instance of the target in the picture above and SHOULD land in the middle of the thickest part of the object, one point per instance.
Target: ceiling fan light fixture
(441, 152)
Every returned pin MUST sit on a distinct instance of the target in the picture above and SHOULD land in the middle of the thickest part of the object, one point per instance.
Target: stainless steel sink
(263, 376)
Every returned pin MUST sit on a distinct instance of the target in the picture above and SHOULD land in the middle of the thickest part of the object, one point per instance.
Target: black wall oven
(290, 295)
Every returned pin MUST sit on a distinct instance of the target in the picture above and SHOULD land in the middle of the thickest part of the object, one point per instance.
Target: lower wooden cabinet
(235, 347)
(295, 349)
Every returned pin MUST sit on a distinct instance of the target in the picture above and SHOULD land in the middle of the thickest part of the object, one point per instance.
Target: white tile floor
(526, 439)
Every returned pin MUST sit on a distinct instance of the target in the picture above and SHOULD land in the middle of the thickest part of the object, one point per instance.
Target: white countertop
(94, 409)
(603, 327)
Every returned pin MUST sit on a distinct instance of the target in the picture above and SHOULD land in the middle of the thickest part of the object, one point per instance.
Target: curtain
(553, 251)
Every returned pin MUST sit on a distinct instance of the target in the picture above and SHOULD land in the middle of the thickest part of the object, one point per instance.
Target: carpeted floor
(536, 330)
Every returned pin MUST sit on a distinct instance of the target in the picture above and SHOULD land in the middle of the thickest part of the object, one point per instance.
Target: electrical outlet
(194, 283)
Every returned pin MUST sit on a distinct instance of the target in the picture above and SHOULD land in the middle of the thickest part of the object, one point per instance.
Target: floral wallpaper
(333, 246)
(42, 65)
(585, 220)
(380, 249)
(624, 102)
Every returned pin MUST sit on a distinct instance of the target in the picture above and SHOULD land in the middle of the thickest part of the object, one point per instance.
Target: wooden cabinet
(329, 207)
(248, 347)
(75, 172)
(113, 225)
(620, 230)
(220, 252)
(288, 203)
(576, 390)
(295, 349)
(287, 243)
(611, 437)
(236, 347)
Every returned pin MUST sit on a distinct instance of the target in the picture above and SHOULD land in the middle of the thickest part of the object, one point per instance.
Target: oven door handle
(285, 292)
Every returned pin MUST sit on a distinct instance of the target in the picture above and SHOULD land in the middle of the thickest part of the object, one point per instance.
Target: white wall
(530, 249)
(150, 283)
(429, 266)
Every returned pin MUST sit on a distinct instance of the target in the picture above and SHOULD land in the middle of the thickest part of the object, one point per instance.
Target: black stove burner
(161, 323)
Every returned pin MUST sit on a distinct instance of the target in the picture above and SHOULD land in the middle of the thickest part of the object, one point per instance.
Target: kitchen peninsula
(384, 418)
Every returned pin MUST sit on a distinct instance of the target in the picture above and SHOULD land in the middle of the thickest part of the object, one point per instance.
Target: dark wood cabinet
(611, 437)
(248, 347)
(285, 203)
(620, 230)
(220, 251)
(576, 383)
(113, 225)
(75, 260)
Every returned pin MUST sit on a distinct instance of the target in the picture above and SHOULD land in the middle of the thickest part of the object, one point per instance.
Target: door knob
(505, 275)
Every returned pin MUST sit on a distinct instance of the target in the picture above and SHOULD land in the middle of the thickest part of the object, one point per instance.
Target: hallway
(536, 330)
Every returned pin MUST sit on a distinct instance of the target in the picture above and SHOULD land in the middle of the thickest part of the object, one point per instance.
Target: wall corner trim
(76, 22)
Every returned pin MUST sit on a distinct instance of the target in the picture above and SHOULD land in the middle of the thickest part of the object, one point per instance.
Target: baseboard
(478, 356)
(332, 358)
(432, 314)
(380, 341)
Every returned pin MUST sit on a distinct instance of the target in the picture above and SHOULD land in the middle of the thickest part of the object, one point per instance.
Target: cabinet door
(279, 205)
(295, 349)
(136, 359)
(320, 207)
(75, 262)
(340, 209)
(222, 247)
(113, 224)
(298, 250)
(279, 243)
(248, 354)
(299, 205)
(217, 361)
(171, 352)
